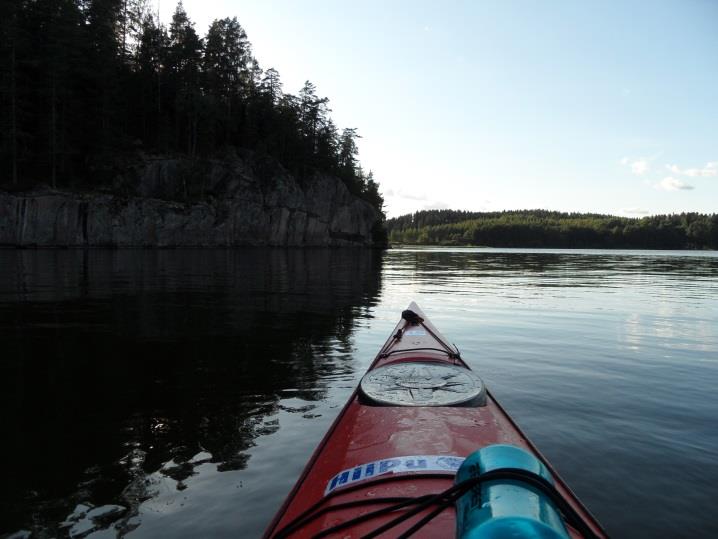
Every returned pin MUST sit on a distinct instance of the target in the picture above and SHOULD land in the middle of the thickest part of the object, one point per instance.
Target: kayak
(422, 449)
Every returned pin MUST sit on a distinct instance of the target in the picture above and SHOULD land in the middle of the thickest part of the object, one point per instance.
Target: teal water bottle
(506, 508)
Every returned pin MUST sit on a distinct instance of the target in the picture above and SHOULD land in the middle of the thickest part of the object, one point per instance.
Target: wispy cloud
(400, 193)
(438, 205)
(672, 184)
(414, 200)
(709, 170)
(633, 212)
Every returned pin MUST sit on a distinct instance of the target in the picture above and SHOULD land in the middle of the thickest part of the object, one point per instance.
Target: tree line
(541, 228)
(84, 79)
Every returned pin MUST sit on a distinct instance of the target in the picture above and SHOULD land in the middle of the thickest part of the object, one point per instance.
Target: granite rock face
(183, 203)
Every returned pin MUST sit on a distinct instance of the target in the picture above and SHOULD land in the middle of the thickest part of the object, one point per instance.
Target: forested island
(541, 228)
(94, 93)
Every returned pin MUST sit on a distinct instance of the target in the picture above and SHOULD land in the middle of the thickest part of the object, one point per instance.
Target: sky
(605, 106)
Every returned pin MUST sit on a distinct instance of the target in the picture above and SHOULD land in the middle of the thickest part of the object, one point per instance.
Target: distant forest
(83, 80)
(540, 228)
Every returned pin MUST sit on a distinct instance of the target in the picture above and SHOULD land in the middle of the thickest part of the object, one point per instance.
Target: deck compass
(422, 383)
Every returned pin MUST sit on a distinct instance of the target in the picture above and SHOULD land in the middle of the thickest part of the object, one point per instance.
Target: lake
(181, 392)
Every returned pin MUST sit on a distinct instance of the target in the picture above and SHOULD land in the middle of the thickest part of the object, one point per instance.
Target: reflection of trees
(449, 265)
(120, 361)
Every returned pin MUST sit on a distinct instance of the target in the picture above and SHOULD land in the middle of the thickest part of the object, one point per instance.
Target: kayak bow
(422, 449)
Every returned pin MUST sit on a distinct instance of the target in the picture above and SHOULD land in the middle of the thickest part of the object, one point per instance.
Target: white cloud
(672, 184)
(638, 166)
(709, 170)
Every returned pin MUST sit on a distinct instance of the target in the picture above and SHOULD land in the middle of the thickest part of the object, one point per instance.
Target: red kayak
(422, 449)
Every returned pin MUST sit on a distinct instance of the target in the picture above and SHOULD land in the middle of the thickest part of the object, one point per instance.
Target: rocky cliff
(182, 203)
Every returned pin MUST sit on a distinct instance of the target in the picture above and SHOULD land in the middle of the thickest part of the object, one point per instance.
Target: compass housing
(423, 383)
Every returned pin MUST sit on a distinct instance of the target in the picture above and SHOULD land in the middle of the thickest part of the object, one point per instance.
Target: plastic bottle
(506, 509)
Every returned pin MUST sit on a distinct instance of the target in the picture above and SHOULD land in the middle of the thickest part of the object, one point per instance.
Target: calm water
(188, 388)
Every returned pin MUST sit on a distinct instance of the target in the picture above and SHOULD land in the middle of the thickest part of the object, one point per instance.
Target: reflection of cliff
(117, 362)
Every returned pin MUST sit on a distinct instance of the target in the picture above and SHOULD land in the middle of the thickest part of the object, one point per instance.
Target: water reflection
(179, 393)
(528, 275)
(128, 374)
(606, 359)
(552, 266)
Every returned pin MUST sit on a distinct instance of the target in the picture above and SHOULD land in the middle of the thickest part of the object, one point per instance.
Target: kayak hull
(381, 451)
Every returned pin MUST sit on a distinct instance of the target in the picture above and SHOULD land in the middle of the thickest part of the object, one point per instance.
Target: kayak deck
(378, 451)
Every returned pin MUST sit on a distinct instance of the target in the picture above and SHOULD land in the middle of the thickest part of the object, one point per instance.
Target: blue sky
(607, 106)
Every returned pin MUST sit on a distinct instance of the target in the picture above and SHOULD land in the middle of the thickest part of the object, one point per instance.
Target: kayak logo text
(414, 463)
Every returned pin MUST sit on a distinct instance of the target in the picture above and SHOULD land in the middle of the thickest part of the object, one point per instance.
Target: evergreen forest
(82, 81)
(541, 228)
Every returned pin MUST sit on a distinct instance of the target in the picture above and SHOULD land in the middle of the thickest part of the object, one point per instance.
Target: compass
(416, 383)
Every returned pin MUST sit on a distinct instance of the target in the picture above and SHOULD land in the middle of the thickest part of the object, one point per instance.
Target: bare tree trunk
(124, 30)
(194, 120)
(189, 133)
(159, 65)
(195, 134)
(159, 107)
(179, 124)
(63, 140)
(13, 107)
(104, 122)
(53, 129)
(228, 120)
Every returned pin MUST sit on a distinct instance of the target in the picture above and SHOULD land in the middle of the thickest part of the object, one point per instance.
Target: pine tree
(272, 85)
(327, 146)
(348, 152)
(150, 59)
(184, 57)
(133, 15)
(314, 115)
(371, 193)
(226, 66)
(104, 28)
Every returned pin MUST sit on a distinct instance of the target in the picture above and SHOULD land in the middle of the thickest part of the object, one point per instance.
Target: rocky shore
(174, 202)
